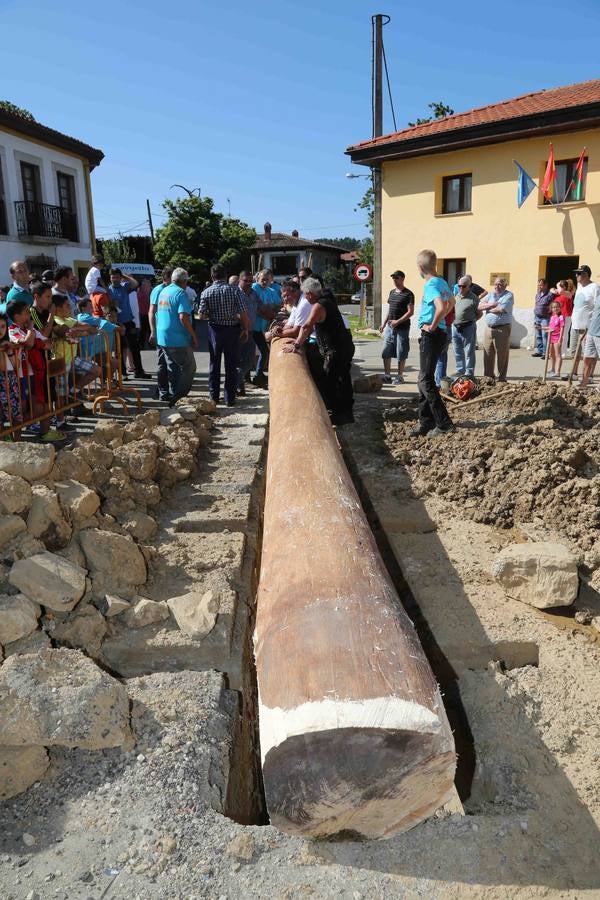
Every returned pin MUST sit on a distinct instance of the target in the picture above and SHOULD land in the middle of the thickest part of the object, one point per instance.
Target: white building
(284, 253)
(46, 213)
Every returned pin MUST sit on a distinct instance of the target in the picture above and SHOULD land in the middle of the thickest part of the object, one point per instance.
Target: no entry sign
(363, 272)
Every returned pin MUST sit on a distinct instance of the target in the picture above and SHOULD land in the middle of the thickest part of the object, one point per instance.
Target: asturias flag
(526, 185)
(549, 177)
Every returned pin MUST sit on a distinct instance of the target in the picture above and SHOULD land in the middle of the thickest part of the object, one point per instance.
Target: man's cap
(398, 274)
(583, 270)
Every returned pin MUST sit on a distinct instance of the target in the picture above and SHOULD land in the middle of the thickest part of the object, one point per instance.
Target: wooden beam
(354, 736)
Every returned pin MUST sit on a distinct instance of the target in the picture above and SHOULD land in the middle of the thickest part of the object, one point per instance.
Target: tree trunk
(354, 736)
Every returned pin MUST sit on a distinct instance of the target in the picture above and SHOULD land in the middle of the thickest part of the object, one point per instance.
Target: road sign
(363, 272)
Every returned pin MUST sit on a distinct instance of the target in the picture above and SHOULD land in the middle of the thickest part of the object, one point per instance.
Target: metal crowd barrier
(17, 387)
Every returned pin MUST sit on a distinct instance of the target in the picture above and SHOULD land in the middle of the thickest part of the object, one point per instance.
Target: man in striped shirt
(228, 325)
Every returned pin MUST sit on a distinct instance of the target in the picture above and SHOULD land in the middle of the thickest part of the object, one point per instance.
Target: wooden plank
(354, 736)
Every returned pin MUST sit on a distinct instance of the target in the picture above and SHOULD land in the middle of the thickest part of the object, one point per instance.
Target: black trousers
(432, 410)
(131, 340)
(338, 394)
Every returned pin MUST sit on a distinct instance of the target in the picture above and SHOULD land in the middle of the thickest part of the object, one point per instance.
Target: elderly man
(175, 335)
(464, 327)
(336, 348)
(498, 307)
(20, 286)
(541, 316)
(228, 327)
(247, 347)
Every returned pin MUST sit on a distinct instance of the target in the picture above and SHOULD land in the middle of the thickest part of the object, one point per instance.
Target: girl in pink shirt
(555, 330)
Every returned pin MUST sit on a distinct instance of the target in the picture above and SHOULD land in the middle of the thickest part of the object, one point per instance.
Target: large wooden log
(354, 737)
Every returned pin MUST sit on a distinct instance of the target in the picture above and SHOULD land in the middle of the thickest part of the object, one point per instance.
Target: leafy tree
(195, 236)
(17, 110)
(348, 243)
(116, 250)
(440, 110)
(339, 279)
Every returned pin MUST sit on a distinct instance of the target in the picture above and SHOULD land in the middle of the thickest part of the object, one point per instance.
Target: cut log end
(366, 783)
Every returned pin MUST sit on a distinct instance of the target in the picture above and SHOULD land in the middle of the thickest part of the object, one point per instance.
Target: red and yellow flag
(549, 177)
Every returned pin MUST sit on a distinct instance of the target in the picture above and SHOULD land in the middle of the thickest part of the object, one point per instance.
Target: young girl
(10, 395)
(555, 330)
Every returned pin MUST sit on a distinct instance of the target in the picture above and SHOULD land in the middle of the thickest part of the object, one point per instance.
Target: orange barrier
(18, 408)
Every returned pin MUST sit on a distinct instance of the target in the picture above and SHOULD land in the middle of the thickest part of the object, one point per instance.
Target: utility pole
(150, 221)
(378, 23)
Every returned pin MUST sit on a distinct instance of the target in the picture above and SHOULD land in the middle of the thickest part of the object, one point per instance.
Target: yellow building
(451, 185)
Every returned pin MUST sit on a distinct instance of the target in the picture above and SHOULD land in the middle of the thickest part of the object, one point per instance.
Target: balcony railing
(42, 220)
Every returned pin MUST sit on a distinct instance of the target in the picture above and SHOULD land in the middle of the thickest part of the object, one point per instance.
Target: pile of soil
(534, 454)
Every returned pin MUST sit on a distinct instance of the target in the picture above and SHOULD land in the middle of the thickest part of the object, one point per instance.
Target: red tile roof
(551, 100)
(281, 241)
(34, 129)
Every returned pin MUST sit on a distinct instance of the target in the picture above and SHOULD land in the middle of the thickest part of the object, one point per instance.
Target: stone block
(195, 612)
(29, 461)
(49, 580)
(18, 617)
(114, 556)
(10, 527)
(46, 520)
(20, 767)
(78, 501)
(542, 574)
(368, 384)
(60, 698)
(15, 494)
(83, 630)
(146, 612)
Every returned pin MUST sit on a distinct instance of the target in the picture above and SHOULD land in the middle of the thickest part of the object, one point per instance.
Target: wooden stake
(483, 397)
(353, 733)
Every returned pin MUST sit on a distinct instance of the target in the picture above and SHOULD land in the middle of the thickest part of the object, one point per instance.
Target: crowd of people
(566, 323)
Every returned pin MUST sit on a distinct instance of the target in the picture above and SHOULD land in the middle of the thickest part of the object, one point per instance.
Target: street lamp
(357, 175)
(187, 190)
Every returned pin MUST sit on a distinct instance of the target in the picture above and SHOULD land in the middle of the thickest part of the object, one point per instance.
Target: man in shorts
(396, 328)
(591, 348)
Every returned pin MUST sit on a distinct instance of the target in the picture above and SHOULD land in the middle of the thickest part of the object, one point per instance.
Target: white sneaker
(398, 380)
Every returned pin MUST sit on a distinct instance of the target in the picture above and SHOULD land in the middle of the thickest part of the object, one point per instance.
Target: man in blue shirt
(498, 307)
(436, 304)
(20, 287)
(175, 335)
(119, 289)
(163, 372)
(270, 298)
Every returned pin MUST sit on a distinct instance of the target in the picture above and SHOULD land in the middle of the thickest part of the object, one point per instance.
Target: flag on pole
(525, 185)
(576, 183)
(549, 177)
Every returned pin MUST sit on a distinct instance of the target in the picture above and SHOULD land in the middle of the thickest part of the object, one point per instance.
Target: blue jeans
(247, 354)
(442, 363)
(464, 341)
(223, 340)
(541, 337)
(179, 365)
(263, 352)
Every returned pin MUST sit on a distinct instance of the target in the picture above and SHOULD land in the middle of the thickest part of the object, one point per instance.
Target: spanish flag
(549, 177)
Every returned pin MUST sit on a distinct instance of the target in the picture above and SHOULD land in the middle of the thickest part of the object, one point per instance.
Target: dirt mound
(532, 454)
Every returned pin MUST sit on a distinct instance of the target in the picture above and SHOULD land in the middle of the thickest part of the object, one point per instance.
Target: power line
(387, 78)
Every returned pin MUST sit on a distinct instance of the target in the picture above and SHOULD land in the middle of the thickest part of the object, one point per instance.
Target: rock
(71, 465)
(108, 432)
(98, 454)
(160, 434)
(189, 412)
(542, 574)
(146, 612)
(185, 442)
(18, 617)
(22, 547)
(139, 525)
(173, 469)
(77, 500)
(37, 640)
(114, 605)
(15, 494)
(113, 555)
(73, 552)
(146, 493)
(195, 613)
(83, 630)
(595, 623)
(118, 506)
(117, 484)
(138, 459)
(46, 521)
(171, 417)
(20, 767)
(60, 698)
(584, 616)
(368, 384)
(50, 580)
(241, 847)
(10, 527)
(205, 406)
(29, 461)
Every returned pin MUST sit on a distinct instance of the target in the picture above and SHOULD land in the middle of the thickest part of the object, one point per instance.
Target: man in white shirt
(583, 306)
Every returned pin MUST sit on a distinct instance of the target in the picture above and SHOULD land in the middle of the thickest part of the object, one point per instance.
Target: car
(356, 298)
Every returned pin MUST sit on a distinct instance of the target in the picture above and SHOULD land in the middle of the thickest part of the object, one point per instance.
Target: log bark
(354, 736)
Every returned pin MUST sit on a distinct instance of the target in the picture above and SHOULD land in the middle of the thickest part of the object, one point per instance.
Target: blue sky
(256, 101)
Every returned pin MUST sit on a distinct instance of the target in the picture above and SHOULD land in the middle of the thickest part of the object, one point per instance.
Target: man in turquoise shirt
(20, 288)
(268, 297)
(175, 335)
(434, 420)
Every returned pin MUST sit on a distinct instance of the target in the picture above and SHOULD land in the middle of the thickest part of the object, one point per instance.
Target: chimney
(267, 231)
(295, 232)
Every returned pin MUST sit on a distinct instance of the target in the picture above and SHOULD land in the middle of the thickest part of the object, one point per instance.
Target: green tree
(339, 279)
(195, 236)
(17, 110)
(440, 111)
(348, 243)
(116, 250)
